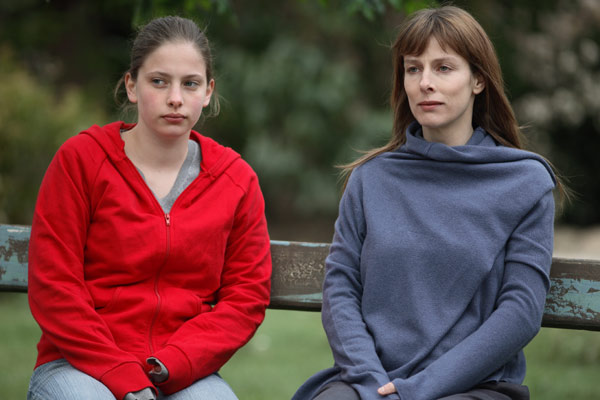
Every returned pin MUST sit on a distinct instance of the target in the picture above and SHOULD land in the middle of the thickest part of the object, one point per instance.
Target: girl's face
(441, 91)
(171, 89)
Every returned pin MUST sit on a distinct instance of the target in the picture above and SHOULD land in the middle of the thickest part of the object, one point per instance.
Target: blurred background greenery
(304, 85)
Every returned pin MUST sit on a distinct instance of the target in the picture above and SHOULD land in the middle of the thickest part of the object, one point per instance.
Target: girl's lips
(174, 118)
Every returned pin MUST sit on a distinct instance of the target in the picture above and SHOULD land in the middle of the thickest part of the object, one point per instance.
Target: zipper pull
(168, 219)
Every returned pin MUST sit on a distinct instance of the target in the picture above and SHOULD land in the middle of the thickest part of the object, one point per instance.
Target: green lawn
(290, 346)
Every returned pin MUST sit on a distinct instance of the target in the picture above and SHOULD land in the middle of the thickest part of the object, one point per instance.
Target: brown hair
(456, 29)
(169, 29)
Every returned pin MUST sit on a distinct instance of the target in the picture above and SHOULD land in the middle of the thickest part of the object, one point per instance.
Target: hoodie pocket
(104, 304)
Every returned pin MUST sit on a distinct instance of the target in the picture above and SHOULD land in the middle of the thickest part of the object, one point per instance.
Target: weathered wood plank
(574, 297)
(573, 301)
(298, 271)
(14, 241)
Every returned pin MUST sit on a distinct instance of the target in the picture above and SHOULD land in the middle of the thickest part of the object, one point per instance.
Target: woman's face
(171, 89)
(441, 90)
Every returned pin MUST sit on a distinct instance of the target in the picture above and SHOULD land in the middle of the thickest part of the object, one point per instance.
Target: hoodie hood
(216, 158)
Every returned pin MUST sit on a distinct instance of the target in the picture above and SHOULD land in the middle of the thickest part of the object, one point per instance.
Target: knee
(59, 380)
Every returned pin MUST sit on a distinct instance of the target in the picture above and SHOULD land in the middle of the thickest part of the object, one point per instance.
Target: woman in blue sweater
(439, 266)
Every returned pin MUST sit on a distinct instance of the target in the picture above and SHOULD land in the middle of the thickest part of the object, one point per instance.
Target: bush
(35, 119)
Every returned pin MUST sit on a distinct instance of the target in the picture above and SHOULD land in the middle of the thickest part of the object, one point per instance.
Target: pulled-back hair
(170, 29)
(456, 29)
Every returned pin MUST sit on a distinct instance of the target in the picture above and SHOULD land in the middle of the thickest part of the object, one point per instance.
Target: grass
(290, 346)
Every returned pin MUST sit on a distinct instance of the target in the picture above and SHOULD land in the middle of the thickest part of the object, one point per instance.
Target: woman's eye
(444, 68)
(412, 70)
(191, 84)
(157, 81)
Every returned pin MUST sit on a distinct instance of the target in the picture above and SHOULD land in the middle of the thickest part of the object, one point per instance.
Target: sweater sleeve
(352, 345)
(203, 344)
(58, 297)
(514, 322)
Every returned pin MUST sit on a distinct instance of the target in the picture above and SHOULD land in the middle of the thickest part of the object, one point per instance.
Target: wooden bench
(298, 268)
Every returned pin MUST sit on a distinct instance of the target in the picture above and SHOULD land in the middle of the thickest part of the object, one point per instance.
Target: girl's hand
(386, 389)
(144, 394)
(158, 372)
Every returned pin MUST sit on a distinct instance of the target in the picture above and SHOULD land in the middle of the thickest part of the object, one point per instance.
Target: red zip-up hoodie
(114, 280)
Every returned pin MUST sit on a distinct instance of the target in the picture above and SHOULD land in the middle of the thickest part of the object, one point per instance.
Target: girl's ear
(478, 84)
(210, 88)
(130, 87)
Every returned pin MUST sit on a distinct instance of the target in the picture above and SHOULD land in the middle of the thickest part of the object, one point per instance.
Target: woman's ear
(130, 87)
(478, 83)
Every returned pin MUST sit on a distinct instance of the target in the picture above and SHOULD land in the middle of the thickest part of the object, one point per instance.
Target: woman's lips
(429, 105)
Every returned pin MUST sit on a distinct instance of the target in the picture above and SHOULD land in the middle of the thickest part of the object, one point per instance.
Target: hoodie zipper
(157, 279)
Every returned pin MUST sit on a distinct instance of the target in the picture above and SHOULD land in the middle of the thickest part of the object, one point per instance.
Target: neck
(150, 151)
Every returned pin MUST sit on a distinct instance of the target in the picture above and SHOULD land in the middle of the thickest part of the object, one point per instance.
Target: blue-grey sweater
(439, 268)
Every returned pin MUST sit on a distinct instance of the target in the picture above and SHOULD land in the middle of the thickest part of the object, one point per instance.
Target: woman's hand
(386, 389)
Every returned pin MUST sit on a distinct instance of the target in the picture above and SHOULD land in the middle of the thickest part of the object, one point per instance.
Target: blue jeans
(59, 380)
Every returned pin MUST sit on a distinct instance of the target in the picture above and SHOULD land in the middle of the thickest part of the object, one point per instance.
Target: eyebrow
(410, 59)
(166, 75)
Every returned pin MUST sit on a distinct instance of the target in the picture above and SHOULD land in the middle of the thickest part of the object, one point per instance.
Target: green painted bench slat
(14, 241)
(573, 301)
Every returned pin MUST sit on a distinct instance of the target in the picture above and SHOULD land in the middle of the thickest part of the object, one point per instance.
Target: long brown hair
(456, 29)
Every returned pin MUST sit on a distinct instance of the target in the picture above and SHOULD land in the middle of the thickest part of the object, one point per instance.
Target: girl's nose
(175, 99)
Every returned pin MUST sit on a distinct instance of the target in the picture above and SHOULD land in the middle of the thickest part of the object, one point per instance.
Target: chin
(175, 131)
(428, 124)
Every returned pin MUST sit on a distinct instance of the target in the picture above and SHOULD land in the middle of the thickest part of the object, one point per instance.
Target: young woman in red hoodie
(149, 260)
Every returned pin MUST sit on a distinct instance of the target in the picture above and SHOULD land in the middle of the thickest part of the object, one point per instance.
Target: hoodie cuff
(179, 367)
(128, 377)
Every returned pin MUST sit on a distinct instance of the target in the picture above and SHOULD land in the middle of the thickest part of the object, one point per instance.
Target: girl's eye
(191, 84)
(412, 70)
(157, 81)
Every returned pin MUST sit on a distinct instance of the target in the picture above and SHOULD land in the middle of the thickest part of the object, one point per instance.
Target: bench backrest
(573, 301)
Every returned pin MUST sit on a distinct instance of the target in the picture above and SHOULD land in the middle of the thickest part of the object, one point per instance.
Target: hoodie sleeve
(203, 344)
(58, 297)
(352, 345)
(514, 322)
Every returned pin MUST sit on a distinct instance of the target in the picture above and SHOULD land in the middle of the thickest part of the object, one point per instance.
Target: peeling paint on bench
(14, 242)
(574, 296)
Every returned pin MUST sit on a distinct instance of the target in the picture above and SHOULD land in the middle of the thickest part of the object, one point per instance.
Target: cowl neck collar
(480, 149)
(474, 150)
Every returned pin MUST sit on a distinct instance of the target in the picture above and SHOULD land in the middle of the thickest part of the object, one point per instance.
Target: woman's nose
(426, 82)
